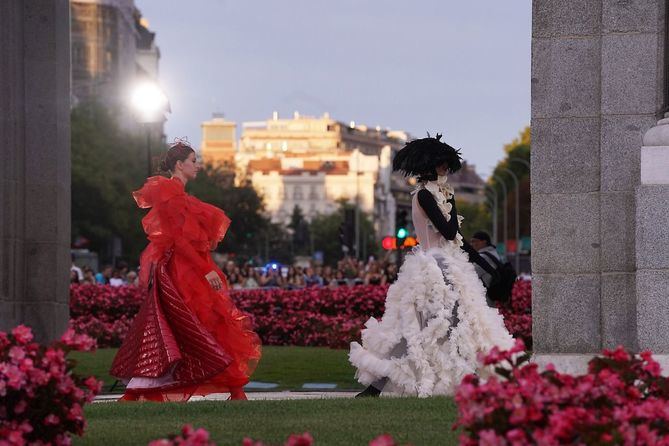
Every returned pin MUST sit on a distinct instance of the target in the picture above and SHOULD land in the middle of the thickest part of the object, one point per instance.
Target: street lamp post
(490, 204)
(493, 194)
(504, 206)
(524, 163)
(151, 104)
(517, 232)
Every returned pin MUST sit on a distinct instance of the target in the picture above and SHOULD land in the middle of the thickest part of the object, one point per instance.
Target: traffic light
(389, 243)
(401, 226)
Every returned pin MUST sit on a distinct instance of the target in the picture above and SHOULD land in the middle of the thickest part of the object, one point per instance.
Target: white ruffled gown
(436, 319)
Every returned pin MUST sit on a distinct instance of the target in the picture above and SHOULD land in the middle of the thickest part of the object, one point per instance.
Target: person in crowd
(89, 276)
(105, 275)
(132, 278)
(359, 277)
(74, 277)
(390, 273)
(328, 275)
(117, 278)
(251, 279)
(230, 268)
(188, 338)
(271, 278)
(294, 278)
(123, 268)
(77, 271)
(374, 275)
(311, 278)
(480, 241)
(340, 279)
(235, 280)
(436, 320)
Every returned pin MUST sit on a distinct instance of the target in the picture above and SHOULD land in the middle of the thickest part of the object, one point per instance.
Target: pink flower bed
(309, 317)
(104, 312)
(622, 400)
(517, 312)
(200, 437)
(322, 317)
(41, 400)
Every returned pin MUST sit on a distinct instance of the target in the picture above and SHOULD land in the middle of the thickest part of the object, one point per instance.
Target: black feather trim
(421, 157)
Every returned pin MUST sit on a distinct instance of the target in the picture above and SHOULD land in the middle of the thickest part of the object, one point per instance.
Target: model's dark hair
(179, 151)
(421, 157)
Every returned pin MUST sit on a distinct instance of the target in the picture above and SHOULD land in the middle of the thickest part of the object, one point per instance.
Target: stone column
(35, 165)
(652, 244)
(597, 74)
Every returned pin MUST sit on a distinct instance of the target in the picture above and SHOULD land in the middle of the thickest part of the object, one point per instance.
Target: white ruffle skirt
(436, 322)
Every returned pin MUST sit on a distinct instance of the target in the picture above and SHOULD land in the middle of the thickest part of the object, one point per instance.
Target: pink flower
(4, 340)
(22, 334)
(490, 438)
(200, 436)
(383, 440)
(304, 439)
(20, 407)
(619, 354)
(17, 353)
(76, 341)
(93, 384)
(51, 420)
(14, 377)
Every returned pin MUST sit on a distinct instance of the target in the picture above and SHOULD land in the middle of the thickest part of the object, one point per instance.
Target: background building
(219, 142)
(112, 50)
(316, 162)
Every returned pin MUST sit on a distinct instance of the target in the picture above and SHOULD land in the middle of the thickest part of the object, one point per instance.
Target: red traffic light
(389, 243)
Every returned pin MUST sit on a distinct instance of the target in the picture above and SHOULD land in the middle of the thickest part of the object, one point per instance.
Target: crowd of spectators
(348, 272)
(108, 275)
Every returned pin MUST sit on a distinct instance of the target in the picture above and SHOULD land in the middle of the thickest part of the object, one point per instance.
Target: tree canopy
(516, 160)
(109, 163)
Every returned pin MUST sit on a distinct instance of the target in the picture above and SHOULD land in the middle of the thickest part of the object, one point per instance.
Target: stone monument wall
(597, 86)
(35, 165)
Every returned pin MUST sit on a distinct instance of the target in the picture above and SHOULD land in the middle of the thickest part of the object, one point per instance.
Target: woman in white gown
(436, 319)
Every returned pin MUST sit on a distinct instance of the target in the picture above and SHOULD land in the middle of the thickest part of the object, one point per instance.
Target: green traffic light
(402, 233)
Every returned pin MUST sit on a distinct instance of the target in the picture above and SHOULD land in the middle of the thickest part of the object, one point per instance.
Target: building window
(297, 195)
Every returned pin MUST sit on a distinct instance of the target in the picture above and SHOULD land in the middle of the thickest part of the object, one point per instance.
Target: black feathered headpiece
(421, 157)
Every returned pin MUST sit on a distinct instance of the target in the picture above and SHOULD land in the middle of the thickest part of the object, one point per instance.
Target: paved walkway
(253, 396)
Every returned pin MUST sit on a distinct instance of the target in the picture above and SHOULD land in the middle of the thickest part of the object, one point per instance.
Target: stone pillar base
(574, 364)
(577, 364)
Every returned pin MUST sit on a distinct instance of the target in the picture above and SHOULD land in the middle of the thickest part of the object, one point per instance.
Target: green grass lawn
(331, 422)
(290, 367)
(421, 422)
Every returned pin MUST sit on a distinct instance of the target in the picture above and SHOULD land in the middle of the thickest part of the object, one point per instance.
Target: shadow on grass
(290, 367)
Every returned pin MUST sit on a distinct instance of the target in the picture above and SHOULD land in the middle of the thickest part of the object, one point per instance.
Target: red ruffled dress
(187, 338)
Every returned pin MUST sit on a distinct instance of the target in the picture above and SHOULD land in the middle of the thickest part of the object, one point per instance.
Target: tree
(519, 148)
(105, 171)
(300, 229)
(324, 229)
(241, 204)
(477, 218)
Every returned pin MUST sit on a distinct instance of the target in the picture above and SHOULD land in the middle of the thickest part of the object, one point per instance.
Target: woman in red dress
(188, 338)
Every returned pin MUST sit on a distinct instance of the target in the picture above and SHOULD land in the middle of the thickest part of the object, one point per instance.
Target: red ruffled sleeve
(178, 221)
